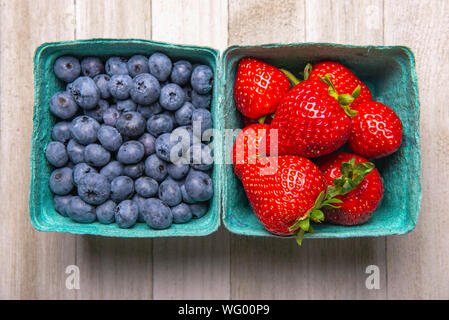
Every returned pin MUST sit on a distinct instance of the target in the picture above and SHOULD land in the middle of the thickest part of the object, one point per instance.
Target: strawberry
(258, 88)
(344, 80)
(252, 142)
(265, 119)
(376, 131)
(310, 121)
(356, 183)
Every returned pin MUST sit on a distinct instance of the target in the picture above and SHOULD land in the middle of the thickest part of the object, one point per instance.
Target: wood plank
(33, 264)
(417, 263)
(114, 268)
(321, 269)
(191, 268)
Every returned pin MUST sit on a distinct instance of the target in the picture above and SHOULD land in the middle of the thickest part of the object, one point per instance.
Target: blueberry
(109, 138)
(84, 129)
(131, 124)
(139, 201)
(81, 211)
(185, 136)
(149, 110)
(137, 64)
(61, 181)
(61, 131)
(199, 186)
(148, 143)
(119, 86)
(98, 111)
(172, 97)
(112, 170)
(201, 157)
(199, 209)
(94, 188)
(67, 68)
(188, 93)
(181, 72)
(181, 213)
(85, 92)
(96, 155)
(126, 105)
(56, 154)
(91, 66)
(130, 152)
(202, 79)
(155, 168)
(116, 65)
(185, 197)
(122, 188)
(61, 204)
(145, 89)
(157, 214)
(169, 192)
(126, 214)
(63, 105)
(106, 212)
(146, 187)
(159, 123)
(75, 151)
(178, 170)
(111, 115)
(134, 171)
(102, 80)
(201, 121)
(160, 66)
(183, 115)
(164, 146)
(201, 100)
(80, 170)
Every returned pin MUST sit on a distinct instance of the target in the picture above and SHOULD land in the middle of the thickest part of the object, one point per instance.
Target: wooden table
(33, 264)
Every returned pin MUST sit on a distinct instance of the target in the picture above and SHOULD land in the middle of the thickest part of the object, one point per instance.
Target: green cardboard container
(390, 74)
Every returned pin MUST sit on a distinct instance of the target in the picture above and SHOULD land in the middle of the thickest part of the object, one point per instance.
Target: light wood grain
(191, 268)
(418, 262)
(33, 263)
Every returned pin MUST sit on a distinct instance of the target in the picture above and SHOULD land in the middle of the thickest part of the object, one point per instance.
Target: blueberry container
(390, 74)
(42, 214)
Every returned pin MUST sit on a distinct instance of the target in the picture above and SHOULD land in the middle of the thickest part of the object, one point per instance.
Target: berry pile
(125, 147)
(286, 126)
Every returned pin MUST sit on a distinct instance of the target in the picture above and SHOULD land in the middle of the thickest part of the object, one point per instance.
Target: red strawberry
(376, 131)
(252, 142)
(266, 119)
(310, 122)
(285, 193)
(258, 88)
(354, 181)
(344, 80)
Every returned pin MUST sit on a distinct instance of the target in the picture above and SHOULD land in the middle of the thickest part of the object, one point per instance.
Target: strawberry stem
(293, 80)
(307, 71)
(343, 99)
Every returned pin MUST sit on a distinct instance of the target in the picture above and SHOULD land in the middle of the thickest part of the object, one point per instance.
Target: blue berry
(185, 197)
(181, 72)
(110, 138)
(184, 135)
(201, 100)
(170, 193)
(56, 154)
(149, 110)
(96, 155)
(139, 201)
(183, 115)
(160, 66)
(202, 79)
(102, 80)
(148, 143)
(145, 89)
(126, 214)
(63, 105)
(201, 119)
(85, 92)
(164, 146)
(111, 115)
(122, 188)
(84, 129)
(98, 111)
(119, 86)
(134, 171)
(130, 152)
(61, 204)
(75, 151)
(116, 65)
(112, 170)
(137, 64)
(80, 170)
(178, 170)
(159, 123)
(126, 105)
(201, 157)
(157, 214)
(131, 124)
(172, 97)
(61, 131)
(61, 181)
(67, 68)
(188, 93)
(94, 188)
(199, 209)
(155, 168)
(146, 187)
(106, 212)
(181, 213)
(91, 66)
(199, 186)
(81, 211)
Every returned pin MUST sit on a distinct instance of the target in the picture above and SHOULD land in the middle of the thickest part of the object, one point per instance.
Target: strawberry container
(390, 74)
(42, 214)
